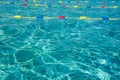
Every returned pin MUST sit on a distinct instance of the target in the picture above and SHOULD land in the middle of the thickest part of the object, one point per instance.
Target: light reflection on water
(58, 49)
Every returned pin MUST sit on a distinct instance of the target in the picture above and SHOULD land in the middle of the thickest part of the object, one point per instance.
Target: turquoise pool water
(37, 45)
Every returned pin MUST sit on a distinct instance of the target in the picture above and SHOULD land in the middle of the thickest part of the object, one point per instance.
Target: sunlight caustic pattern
(59, 40)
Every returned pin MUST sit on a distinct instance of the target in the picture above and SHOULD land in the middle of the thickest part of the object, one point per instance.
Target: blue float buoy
(105, 18)
(12, 3)
(39, 17)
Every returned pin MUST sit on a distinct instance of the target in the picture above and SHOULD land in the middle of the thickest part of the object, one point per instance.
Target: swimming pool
(59, 40)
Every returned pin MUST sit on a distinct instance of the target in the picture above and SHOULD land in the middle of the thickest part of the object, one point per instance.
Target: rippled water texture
(59, 49)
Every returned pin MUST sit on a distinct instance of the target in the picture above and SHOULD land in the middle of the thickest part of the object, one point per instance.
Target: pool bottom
(74, 50)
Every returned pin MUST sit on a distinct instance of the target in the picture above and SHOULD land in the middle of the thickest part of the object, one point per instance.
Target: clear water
(59, 49)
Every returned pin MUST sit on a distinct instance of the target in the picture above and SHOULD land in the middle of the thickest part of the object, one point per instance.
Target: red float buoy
(24, 4)
(102, 6)
(61, 16)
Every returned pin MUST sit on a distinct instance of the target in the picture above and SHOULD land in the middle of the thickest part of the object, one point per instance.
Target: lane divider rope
(25, 3)
(61, 17)
(61, 1)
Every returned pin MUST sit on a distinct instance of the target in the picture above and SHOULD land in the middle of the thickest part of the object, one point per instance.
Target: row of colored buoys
(62, 1)
(63, 17)
(50, 4)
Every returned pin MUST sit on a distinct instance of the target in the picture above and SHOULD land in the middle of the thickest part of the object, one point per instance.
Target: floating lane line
(66, 6)
(40, 17)
(60, 1)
